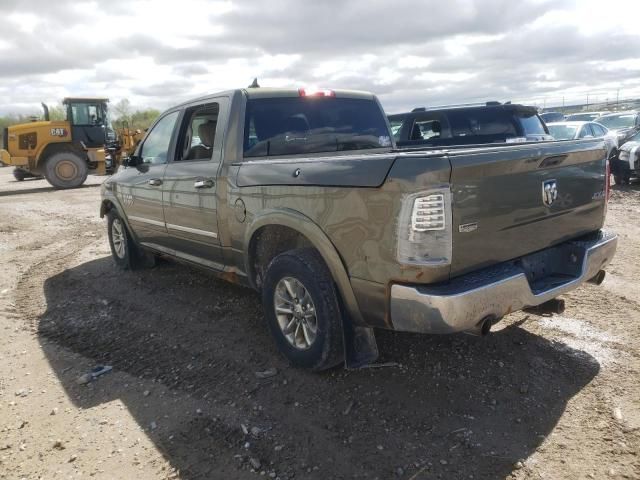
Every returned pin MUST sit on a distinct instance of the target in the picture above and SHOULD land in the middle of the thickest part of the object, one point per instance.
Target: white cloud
(157, 53)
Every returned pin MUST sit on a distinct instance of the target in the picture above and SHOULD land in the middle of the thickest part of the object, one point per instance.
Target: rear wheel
(302, 310)
(622, 179)
(66, 170)
(19, 175)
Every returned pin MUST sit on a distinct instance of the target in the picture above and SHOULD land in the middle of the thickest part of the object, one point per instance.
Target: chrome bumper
(462, 304)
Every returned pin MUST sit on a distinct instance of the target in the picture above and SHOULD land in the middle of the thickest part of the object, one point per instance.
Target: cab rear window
(291, 125)
(531, 124)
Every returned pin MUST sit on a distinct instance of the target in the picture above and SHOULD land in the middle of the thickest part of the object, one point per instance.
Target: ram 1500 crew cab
(301, 195)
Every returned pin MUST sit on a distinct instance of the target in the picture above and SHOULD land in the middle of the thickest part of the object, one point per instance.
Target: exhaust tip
(487, 323)
(599, 277)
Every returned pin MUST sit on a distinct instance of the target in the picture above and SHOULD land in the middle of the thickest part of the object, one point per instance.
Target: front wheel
(123, 249)
(302, 310)
(66, 170)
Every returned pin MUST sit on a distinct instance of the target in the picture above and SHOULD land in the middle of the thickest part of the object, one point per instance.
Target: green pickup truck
(303, 196)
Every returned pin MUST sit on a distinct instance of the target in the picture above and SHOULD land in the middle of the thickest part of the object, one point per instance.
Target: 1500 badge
(58, 132)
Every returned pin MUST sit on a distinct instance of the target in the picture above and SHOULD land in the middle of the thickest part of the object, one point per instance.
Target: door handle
(155, 182)
(203, 183)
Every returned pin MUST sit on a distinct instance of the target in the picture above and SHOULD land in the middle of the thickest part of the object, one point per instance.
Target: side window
(155, 148)
(198, 131)
(87, 114)
(425, 127)
(586, 131)
(429, 128)
(598, 130)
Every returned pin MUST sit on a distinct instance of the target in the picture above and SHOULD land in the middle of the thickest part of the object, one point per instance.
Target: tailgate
(513, 200)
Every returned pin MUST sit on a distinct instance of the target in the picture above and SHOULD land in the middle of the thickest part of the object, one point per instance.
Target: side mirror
(132, 161)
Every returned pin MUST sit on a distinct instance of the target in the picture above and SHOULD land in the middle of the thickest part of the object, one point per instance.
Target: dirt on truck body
(302, 196)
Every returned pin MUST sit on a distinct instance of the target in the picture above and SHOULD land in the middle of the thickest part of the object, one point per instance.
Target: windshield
(618, 121)
(582, 117)
(396, 125)
(301, 125)
(562, 132)
(111, 133)
(635, 138)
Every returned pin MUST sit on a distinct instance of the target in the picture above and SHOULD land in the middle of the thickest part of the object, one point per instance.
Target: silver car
(577, 130)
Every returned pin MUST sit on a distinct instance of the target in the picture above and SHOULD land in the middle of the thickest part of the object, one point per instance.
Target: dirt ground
(542, 397)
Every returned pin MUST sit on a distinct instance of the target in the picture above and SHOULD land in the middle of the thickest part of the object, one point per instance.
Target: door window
(598, 130)
(586, 131)
(428, 129)
(198, 133)
(155, 148)
(87, 114)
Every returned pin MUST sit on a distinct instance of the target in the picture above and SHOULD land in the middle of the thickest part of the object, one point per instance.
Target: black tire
(66, 170)
(123, 249)
(307, 267)
(622, 179)
(19, 175)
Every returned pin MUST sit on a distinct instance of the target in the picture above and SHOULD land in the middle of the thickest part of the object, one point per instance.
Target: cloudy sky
(410, 53)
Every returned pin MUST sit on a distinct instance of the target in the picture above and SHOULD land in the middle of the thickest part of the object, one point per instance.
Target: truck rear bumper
(465, 302)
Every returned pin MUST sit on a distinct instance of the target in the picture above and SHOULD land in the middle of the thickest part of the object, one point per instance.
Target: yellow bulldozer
(66, 151)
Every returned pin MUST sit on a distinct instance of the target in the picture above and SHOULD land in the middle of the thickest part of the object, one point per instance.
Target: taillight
(428, 213)
(316, 92)
(424, 228)
(607, 183)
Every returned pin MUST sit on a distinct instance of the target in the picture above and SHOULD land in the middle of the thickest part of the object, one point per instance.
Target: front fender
(321, 242)
(109, 198)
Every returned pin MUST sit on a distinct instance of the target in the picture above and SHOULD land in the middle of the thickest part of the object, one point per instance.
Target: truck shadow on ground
(43, 189)
(631, 187)
(457, 406)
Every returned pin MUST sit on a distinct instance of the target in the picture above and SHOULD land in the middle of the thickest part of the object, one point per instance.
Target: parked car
(301, 195)
(468, 125)
(584, 116)
(549, 117)
(576, 130)
(627, 165)
(623, 124)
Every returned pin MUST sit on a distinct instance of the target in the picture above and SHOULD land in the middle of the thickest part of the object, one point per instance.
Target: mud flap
(360, 347)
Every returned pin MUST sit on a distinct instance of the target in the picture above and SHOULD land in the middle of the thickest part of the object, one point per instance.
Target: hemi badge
(468, 227)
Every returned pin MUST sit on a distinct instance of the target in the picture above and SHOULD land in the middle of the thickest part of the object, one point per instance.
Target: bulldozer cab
(89, 121)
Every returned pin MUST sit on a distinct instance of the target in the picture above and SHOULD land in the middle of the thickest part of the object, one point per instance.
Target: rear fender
(305, 226)
(359, 341)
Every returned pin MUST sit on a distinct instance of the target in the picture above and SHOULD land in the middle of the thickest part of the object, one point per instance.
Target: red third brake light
(316, 92)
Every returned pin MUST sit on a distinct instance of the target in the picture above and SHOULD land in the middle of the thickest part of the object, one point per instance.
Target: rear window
(491, 122)
(301, 125)
(531, 124)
